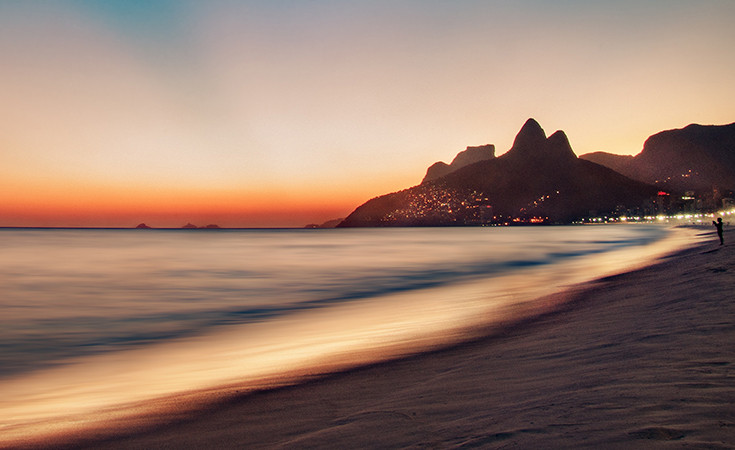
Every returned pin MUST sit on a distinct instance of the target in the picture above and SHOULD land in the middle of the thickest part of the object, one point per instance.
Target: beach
(643, 359)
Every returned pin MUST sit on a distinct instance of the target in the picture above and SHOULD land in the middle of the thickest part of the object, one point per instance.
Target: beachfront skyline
(282, 114)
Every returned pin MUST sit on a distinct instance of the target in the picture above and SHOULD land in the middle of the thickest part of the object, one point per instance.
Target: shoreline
(406, 401)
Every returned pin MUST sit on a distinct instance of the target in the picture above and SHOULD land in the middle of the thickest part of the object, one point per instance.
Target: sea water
(94, 319)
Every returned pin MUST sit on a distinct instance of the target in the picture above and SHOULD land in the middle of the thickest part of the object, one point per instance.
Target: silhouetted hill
(328, 224)
(618, 163)
(464, 158)
(695, 157)
(539, 179)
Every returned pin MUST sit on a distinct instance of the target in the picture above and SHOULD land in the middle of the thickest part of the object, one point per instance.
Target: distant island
(188, 226)
(205, 227)
(540, 180)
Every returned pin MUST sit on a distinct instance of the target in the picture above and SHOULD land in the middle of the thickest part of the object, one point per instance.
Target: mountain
(618, 163)
(696, 158)
(539, 179)
(469, 156)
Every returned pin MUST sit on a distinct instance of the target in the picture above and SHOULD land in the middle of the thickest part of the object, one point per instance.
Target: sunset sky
(282, 113)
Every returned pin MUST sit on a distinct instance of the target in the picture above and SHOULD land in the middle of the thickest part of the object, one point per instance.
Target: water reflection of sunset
(107, 389)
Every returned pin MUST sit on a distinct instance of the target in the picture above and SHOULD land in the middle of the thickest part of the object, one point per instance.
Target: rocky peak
(531, 136)
(464, 158)
(531, 146)
(436, 170)
(472, 155)
(557, 145)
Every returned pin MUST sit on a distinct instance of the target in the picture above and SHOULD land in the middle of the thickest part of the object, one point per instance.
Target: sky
(279, 113)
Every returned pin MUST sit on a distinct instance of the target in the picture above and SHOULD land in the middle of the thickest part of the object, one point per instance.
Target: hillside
(469, 156)
(539, 180)
(696, 158)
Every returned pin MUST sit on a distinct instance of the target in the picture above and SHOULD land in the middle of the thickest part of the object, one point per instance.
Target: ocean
(91, 320)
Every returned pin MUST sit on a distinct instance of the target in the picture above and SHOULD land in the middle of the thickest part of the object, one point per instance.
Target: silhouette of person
(718, 225)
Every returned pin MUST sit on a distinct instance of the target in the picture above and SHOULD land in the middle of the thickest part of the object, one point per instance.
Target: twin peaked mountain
(539, 179)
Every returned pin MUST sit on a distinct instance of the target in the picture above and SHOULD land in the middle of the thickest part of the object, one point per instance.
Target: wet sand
(645, 359)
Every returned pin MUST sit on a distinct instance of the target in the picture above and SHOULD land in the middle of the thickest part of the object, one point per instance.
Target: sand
(644, 359)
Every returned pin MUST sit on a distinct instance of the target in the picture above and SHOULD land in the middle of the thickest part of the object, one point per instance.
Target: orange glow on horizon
(225, 113)
(107, 207)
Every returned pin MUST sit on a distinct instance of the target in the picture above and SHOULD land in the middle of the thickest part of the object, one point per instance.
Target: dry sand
(644, 359)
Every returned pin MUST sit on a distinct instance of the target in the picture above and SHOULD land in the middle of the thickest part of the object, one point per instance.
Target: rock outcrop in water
(191, 226)
(539, 180)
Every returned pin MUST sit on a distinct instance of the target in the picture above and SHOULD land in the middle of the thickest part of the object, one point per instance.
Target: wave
(354, 324)
(41, 342)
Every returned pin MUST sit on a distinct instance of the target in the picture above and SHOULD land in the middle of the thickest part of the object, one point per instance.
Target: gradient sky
(281, 113)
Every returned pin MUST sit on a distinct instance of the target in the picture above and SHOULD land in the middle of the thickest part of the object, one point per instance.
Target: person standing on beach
(718, 225)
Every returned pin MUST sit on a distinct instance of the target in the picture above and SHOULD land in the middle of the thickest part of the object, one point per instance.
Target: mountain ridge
(539, 180)
(696, 157)
(464, 158)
